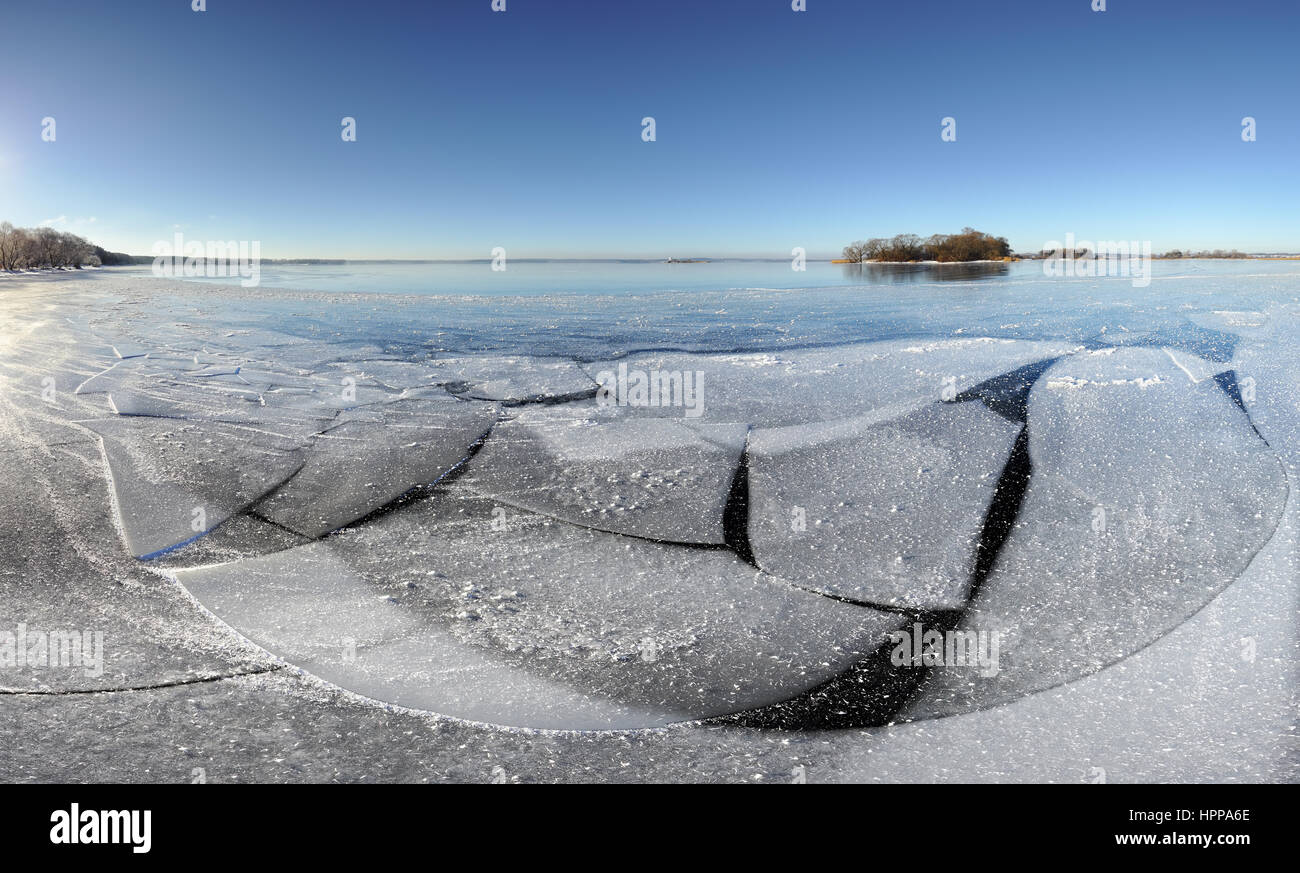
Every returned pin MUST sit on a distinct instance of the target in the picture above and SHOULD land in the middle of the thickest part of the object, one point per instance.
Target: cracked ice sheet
(601, 468)
(512, 378)
(285, 728)
(395, 375)
(1213, 700)
(104, 379)
(360, 466)
(502, 378)
(1186, 336)
(891, 511)
(164, 472)
(292, 416)
(62, 569)
(1137, 722)
(521, 620)
(1127, 528)
(290, 400)
(792, 387)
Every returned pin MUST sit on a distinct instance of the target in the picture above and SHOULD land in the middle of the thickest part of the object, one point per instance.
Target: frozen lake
(591, 310)
(634, 507)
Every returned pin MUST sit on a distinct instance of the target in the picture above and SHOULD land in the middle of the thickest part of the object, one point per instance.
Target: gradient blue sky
(775, 128)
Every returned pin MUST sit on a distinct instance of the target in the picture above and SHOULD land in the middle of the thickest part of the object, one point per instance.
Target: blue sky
(775, 128)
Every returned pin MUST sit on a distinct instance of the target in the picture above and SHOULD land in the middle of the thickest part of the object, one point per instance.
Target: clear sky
(774, 128)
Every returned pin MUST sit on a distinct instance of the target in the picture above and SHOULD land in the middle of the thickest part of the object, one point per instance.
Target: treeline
(969, 245)
(44, 248)
(1217, 253)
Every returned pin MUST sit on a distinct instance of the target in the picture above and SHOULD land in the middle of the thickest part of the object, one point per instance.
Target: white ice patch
(657, 478)
(534, 622)
(882, 512)
(1129, 526)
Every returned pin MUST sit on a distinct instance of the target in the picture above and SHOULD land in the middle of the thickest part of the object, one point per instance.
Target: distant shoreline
(144, 263)
(931, 263)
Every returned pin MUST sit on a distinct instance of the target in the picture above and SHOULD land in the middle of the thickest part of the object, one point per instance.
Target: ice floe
(656, 478)
(1150, 492)
(453, 605)
(772, 389)
(882, 512)
(358, 466)
(174, 481)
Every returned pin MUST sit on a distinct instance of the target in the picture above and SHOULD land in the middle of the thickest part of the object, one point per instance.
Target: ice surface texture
(878, 512)
(518, 619)
(487, 536)
(1151, 491)
(657, 478)
(174, 481)
(358, 466)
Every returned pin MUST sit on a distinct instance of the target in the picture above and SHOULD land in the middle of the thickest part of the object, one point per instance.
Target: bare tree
(8, 246)
(48, 245)
(43, 247)
(28, 256)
